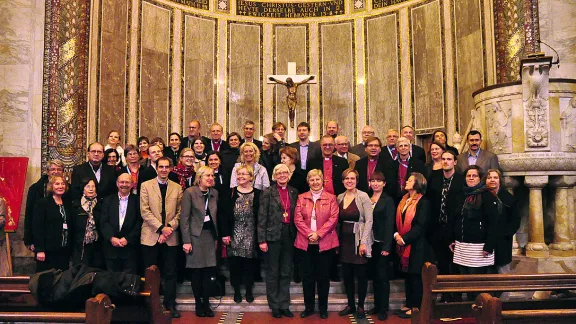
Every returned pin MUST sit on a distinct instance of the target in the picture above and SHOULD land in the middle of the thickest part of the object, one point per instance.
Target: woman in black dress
(52, 215)
(87, 242)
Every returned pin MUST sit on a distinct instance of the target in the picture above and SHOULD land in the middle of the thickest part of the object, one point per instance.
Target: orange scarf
(405, 226)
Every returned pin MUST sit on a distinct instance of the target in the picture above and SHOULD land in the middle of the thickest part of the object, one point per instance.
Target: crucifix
(292, 82)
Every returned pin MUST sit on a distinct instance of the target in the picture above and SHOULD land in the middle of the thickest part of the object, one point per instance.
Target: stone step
(396, 286)
(336, 302)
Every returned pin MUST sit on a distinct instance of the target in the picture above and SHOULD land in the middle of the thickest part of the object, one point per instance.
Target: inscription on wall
(385, 3)
(289, 9)
(200, 4)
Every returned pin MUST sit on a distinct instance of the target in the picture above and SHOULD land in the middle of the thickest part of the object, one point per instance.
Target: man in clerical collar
(307, 150)
(360, 148)
(475, 156)
(160, 201)
(331, 166)
(400, 169)
(249, 128)
(342, 145)
(216, 142)
(194, 130)
(372, 162)
(389, 152)
(416, 151)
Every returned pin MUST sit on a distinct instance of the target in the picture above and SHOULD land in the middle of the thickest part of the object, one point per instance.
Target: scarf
(200, 157)
(183, 173)
(408, 208)
(473, 196)
(90, 234)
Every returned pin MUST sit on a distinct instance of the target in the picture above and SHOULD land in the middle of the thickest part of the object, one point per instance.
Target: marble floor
(266, 318)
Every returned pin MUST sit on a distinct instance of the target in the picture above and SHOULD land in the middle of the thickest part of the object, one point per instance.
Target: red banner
(12, 181)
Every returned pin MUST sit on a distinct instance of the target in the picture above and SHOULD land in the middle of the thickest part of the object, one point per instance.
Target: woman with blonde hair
(249, 156)
(185, 168)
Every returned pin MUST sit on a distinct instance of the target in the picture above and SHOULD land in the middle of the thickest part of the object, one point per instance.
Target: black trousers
(413, 287)
(443, 255)
(58, 259)
(474, 270)
(351, 272)
(128, 264)
(381, 278)
(198, 278)
(241, 271)
(315, 270)
(278, 269)
(164, 257)
(89, 255)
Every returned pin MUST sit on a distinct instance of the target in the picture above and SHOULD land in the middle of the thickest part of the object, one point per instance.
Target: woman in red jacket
(315, 218)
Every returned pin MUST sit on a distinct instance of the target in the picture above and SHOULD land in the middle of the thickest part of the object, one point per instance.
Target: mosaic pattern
(65, 81)
(516, 31)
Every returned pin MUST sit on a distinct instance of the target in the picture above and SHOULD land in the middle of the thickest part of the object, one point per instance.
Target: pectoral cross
(292, 81)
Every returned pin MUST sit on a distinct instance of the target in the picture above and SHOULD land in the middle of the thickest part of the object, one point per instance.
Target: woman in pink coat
(316, 241)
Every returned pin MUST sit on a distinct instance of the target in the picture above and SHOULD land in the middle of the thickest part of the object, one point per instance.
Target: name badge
(206, 218)
(65, 226)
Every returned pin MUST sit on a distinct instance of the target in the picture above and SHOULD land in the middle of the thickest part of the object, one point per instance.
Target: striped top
(470, 255)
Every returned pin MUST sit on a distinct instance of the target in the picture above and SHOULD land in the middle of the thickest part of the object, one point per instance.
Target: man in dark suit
(306, 150)
(94, 169)
(475, 156)
(216, 143)
(389, 152)
(149, 173)
(332, 166)
(36, 192)
(372, 162)
(360, 148)
(194, 131)
(399, 170)
(249, 129)
(416, 151)
(443, 192)
(120, 225)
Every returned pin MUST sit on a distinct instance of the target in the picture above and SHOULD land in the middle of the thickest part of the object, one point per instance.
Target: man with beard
(476, 156)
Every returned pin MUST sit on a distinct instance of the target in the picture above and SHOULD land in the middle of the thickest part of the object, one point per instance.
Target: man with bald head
(389, 152)
(120, 225)
(360, 148)
(215, 142)
(342, 145)
(332, 128)
(416, 151)
(194, 130)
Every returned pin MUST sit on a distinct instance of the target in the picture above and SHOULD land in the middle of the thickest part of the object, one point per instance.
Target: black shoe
(286, 312)
(400, 311)
(383, 316)
(174, 313)
(208, 312)
(346, 311)
(360, 314)
(249, 297)
(406, 315)
(324, 314)
(258, 278)
(276, 313)
(237, 297)
(200, 313)
(373, 311)
(306, 313)
(335, 278)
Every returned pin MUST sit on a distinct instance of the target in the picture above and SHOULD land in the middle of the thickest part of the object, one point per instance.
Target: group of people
(302, 208)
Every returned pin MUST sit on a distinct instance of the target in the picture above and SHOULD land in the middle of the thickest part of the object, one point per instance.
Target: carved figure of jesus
(291, 99)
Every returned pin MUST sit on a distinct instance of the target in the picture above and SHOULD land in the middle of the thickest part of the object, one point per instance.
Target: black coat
(508, 225)
(416, 237)
(298, 180)
(436, 230)
(36, 192)
(174, 156)
(314, 151)
(270, 214)
(78, 230)
(384, 222)
(391, 174)
(255, 141)
(224, 146)
(226, 218)
(338, 166)
(229, 159)
(362, 167)
(48, 223)
(186, 143)
(106, 186)
(110, 226)
(478, 223)
(222, 183)
(418, 153)
(269, 159)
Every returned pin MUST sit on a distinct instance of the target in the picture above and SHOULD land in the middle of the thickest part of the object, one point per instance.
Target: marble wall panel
(244, 75)
(557, 29)
(113, 74)
(291, 45)
(383, 74)
(155, 71)
(199, 86)
(469, 63)
(337, 77)
(428, 74)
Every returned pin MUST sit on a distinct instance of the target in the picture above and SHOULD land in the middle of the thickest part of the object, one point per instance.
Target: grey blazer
(486, 161)
(192, 214)
(270, 214)
(363, 233)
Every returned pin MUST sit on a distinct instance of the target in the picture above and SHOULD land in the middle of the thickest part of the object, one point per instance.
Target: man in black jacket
(307, 150)
(369, 164)
(416, 151)
(94, 169)
(36, 192)
(216, 143)
(443, 193)
(399, 170)
(330, 164)
(249, 129)
(120, 225)
(194, 131)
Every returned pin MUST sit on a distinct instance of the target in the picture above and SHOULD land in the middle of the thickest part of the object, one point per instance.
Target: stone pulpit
(531, 126)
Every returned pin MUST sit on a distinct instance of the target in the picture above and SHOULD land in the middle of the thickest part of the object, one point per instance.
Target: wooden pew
(98, 311)
(147, 307)
(488, 310)
(434, 284)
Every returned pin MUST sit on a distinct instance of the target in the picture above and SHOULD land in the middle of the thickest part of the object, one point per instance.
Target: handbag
(215, 286)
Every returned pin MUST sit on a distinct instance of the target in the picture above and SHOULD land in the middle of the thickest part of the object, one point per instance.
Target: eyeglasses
(327, 145)
(96, 152)
(282, 172)
(373, 145)
(188, 156)
(472, 176)
(243, 174)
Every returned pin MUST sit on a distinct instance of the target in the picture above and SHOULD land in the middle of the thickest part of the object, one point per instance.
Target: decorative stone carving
(535, 96)
(568, 124)
(537, 161)
(536, 246)
(499, 127)
(457, 141)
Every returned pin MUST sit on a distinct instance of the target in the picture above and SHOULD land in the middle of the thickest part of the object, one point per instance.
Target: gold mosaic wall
(156, 64)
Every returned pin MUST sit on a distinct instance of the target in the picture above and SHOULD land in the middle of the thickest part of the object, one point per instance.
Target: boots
(249, 296)
(237, 295)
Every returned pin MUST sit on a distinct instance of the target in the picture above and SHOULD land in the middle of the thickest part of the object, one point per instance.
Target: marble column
(536, 246)
(512, 183)
(562, 245)
(572, 215)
